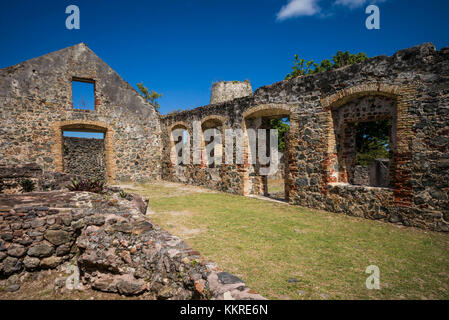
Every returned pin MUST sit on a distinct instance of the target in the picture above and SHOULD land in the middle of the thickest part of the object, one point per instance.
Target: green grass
(267, 243)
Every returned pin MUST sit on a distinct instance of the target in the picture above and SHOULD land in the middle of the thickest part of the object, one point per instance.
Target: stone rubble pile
(115, 246)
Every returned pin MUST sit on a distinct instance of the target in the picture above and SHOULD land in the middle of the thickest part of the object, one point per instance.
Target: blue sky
(83, 94)
(179, 47)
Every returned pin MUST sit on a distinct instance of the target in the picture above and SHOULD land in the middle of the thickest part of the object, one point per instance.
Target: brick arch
(178, 124)
(345, 95)
(268, 110)
(222, 119)
(171, 143)
(219, 119)
(85, 125)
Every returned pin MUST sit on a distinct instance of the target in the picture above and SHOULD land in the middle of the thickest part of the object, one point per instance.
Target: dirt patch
(188, 233)
(179, 213)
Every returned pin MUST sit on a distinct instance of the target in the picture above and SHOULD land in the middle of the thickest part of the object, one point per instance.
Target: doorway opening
(84, 154)
(275, 183)
(258, 180)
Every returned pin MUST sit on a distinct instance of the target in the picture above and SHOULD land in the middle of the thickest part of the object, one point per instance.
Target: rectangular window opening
(83, 94)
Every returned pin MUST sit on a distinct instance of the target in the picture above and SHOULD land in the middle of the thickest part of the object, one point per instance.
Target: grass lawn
(267, 243)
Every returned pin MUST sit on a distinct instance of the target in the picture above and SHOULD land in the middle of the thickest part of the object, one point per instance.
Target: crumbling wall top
(228, 90)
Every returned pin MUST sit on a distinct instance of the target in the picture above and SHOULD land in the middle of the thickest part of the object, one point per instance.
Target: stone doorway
(100, 154)
(84, 154)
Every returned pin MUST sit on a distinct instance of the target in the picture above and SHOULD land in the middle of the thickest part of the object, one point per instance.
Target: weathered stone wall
(11, 177)
(84, 157)
(377, 174)
(36, 106)
(411, 87)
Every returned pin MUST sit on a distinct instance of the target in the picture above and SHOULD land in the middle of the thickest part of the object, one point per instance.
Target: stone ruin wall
(36, 106)
(411, 87)
(12, 176)
(84, 157)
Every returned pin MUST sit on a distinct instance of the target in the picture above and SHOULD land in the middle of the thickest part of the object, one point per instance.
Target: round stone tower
(229, 90)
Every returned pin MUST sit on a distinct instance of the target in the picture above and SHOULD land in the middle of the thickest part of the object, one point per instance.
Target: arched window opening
(180, 145)
(212, 133)
(365, 141)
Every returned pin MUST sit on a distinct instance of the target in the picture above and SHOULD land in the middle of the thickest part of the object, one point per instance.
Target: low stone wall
(84, 157)
(374, 175)
(280, 173)
(362, 201)
(114, 245)
(378, 204)
(12, 176)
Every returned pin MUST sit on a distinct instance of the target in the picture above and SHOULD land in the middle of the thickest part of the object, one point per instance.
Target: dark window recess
(372, 157)
(372, 140)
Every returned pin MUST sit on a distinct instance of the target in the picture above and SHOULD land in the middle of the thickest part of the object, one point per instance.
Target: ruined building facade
(37, 106)
(410, 89)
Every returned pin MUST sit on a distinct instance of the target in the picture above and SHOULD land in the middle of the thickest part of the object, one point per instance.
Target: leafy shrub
(341, 59)
(150, 96)
(27, 185)
(89, 185)
(123, 194)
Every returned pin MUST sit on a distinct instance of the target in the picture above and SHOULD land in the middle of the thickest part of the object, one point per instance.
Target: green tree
(150, 96)
(302, 67)
(372, 140)
(282, 127)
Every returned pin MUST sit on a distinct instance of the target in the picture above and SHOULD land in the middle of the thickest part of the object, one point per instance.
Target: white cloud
(352, 4)
(297, 8)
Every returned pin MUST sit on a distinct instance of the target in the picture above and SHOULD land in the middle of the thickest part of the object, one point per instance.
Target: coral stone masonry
(410, 89)
(83, 156)
(229, 90)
